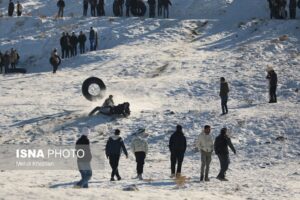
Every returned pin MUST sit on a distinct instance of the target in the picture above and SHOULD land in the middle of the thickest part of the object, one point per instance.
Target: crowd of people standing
(8, 60)
(139, 146)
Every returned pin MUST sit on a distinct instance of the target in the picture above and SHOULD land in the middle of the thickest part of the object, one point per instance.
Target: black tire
(86, 85)
(138, 9)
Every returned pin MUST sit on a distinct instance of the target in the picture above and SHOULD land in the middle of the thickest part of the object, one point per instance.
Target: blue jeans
(86, 174)
(92, 45)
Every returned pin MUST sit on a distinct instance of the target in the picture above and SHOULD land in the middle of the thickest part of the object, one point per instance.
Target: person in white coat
(206, 145)
(139, 147)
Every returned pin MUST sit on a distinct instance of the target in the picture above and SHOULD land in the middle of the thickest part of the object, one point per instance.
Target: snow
(198, 45)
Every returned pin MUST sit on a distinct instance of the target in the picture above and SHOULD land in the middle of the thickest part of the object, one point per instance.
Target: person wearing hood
(272, 77)
(113, 149)
(224, 90)
(139, 147)
(221, 148)
(177, 146)
(84, 158)
(206, 145)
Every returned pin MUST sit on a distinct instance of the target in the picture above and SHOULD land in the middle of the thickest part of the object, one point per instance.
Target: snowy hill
(202, 41)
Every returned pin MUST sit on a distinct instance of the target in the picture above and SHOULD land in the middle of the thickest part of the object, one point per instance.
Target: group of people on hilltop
(96, 7)
(278, 9)
(8, 60)
(69, 46)
(139, 147)
(12, 7)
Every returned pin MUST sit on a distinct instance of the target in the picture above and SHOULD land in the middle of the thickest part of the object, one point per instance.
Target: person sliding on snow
(221, 148)
(108, 104)
(177, 146)
(205, 144)
(139, 147)
(84, 161)
(113, 149)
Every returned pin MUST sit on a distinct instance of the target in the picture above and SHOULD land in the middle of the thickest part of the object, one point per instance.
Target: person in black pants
(224, 90)
(293, 8)
(152, 4)
(272, 77)
(85, 7)
(100, 8)
(139, 147)
(113, 150)
(73, 42)
(165, 5)
(221, 148)
(82, 40)
(177, 146)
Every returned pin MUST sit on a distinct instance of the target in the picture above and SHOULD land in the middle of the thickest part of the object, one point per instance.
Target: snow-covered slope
(202, 41)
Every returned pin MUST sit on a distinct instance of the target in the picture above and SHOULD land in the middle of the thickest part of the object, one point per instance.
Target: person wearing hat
(139, 147)
(221, 148)
(177, 146)
(272, 77)
(113, 149)
(205, 144)
(84, 158)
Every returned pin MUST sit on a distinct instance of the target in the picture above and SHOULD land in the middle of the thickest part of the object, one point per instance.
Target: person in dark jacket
(93, 7)
(224, 90)
(73, 42)
(128, 6)
(11, 8)
(177, 146)
(159, 7)
(6, 61)
(272, 77)
(113, 149)
(55, 60)
(100, 8)
(293, 7)
(1, 63)
(152, 4)
(165, 5)
(19, 9)
(85, 7)
(93, 38)
(61, 6)
(221, 148)
(82, 40)
(84, 158)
